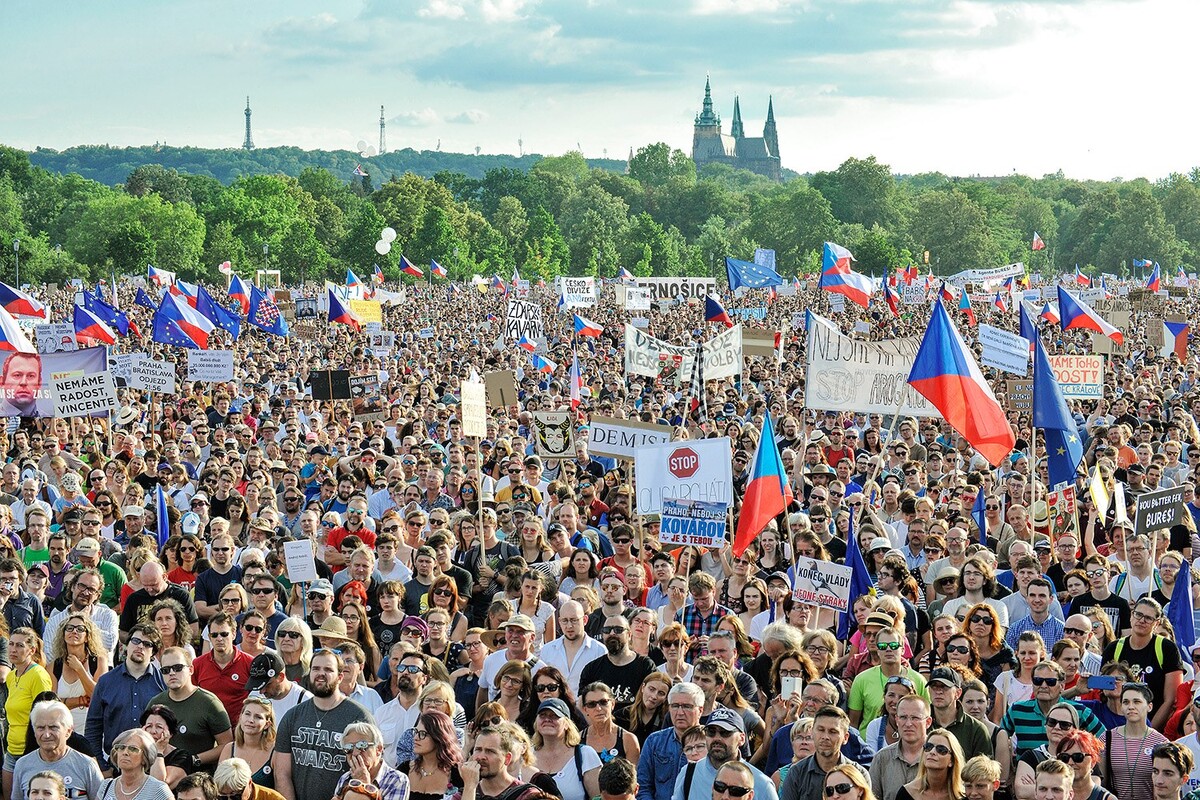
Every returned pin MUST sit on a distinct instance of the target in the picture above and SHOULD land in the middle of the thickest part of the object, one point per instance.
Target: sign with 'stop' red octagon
(683, 463)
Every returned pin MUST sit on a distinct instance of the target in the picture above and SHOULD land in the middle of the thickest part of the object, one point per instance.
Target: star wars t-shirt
(313, 738)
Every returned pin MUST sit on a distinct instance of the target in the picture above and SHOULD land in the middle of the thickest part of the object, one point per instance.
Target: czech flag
(911, 274)
(525, 344)
(240, 291)
(585, 327)
(377, 275)
(179, 324)
(114, 318)
(1175, 339)
(891, 297)
(948, 293)
(437, 269)
(1104, 286)
(160, 277)
(1181, 273)
(1142, 262)
(409, 268)
(352, 279)
(715, 312)
(1080, 278)
(12, 338)
(1075, 314)
(1049, 313)
(498, 283)
(1155, 281)
(576, 383)
(768, 492)
(945, 373)
(1038, 244)
(1028, 328)
(189, 292)
(20, 304)
(624, 275)
(359, 171)
(839, 278)
(90, 330)
(544, 364)
(998, 302)
(342, 314)
(964, 305)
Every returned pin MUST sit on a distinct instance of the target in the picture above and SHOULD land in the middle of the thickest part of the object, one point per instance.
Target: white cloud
(444, 9)
(417, 118)
(472, 116)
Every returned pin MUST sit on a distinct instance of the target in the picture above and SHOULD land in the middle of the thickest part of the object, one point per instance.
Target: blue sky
(1093, 87)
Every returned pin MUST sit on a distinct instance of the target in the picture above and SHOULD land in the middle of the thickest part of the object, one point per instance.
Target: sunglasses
(548, 687)
(1045, 681)
(962, 649)
(172, 668)
(287, 634)
(940, 749)
(1061, 724)
(887, 646)
(720, 787)
(1072, 758)
(980, 619)
(838, 789)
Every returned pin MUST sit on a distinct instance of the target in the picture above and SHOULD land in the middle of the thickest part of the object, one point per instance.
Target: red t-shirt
(181, 576)
(338, 534)
(228, 683)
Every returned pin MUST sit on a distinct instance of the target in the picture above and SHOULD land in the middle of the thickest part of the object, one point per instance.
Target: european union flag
(145, 300)
(860, 581)
(113, 317)
(1180, 612)
(218, 314)
(750, 275)
(1064, 448)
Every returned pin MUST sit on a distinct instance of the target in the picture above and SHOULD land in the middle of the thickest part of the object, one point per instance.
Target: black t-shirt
(385, 635)
(210, 583)
(624, 681)
(1116, 607)
(1145, 663)
(131, 614)
(836, 547)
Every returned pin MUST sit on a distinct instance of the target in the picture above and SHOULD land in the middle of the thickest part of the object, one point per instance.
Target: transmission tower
(248, 144)
(382, 133)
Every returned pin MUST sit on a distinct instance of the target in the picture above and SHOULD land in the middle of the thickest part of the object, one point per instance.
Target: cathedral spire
(706, 117)
(770, 134)
(737, 130)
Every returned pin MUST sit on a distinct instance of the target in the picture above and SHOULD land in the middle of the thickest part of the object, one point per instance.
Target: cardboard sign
(58, 337)
(1020, 395)
(501, 388)
(210, 365)
(367, 310)
(366, 398)
(620, 438)
(473, 400)
(1003, 350)
(1079, 376)
(693, 522)
(84, 395)
(524, 320)
(1159, 509)
(578, 292)
(700, 469)
(760, 342)
(330, 384)
(822, 583)
(553, 434)
(299, 561)
(153, 376)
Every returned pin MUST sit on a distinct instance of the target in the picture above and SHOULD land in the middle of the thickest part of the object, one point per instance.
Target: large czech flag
(159, 277)
(768, 492)
(945, 373)
(1074, 314)
(585, 327)
(342, 314)
(715, 312)
(17, 302)
(12, 338)
(409, 268)
(179, 324)
(90, 330)
(240, 291)
(839, 278)
(1175, 339)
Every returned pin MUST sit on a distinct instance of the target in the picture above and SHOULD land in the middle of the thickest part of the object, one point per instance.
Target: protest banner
(501, 387)
(299, 561)
(620, 438)
(474, 409)
(366, 398)
(1154, 333)
(678, 289)
(427, 332)
(749, 313)
(1079, 376)
(637, 298)
(1004, 350)
(26, 379)
(306, 307)
(120, 366)
(367, 310)
(647, 355)
(578, 292)
(210, 365)
(524, 320)
(837, 303)
(764, 257)
(329, 384)
(57, 337)
(553, 434)
(1159, 509)
(867, 376)
(760, 342)
(987, 275)
(913, 294)
(1064, 518)
(382, 341)
(822, 583)
(692, 522)
(84, 395)
(701, 469)
(1020, 395)
(153, 376)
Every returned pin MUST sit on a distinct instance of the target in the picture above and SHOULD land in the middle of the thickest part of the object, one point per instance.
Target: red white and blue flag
(1074, 314)
(352, 280)
(1080, 278)
(576, 382)
(21, 304)
(946, 374)
(715, 312)
(1049, 313)
(359, 171)
(188, 292)
(544, 364)
(768, 492)
(999, 302)
(239, 290)
(526, 344)
(159, 277)
(839, 278)
(409, 268)
(585, 327)
(342, 314)
(890, 295)
(12, 338)
(1175, 339)
(624, 275)
(179, 324)
(90, 330)
(964, 305)
(377, 275)
(1154, 283)
(437, 269)
(1038, 244)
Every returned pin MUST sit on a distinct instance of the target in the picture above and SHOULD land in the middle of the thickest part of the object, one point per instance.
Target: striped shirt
(1051, 631)
(1027, 724)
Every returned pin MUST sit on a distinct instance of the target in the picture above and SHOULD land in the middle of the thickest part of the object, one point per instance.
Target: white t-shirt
(567, 778)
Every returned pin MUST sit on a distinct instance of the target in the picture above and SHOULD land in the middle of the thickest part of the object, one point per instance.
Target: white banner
(701, 469)
(620, 438)
(993, 274)
(822, 583)
(913, 294)
(578, 292)
(682, 289)
(637, 298)
(871, 377)
(646, 355)
(57, 337)
(1004, 350)
(524, 319)
(84, 395)
(474, 409)
(153, 376)
(210, 365)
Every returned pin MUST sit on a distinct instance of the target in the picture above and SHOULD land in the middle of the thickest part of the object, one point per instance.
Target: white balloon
(382, 247)
(370, 150)
(361, 146)
(388, 235)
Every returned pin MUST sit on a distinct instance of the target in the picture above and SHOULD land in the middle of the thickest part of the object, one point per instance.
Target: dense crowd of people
(490, 624)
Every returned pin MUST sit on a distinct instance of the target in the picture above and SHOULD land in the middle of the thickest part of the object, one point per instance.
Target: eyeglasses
(720, 787)
(887, 645)
(75, 628)
(838, 789)
(171, 669)
(1044, 681)
(234, 599)
(622, 541)
(940, 749)
(1072, 758)
(681, 706)
(1061, 724)
(818, 650)
(1139, 615)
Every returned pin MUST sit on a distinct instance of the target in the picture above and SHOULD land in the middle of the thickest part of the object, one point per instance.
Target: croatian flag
(437, 269)
(409, 268)
(1080, 278)
(240, 291)
(1155, 281)
(1074, 314)
(715, 312)
(1038, 244)
(160, 277)
(585, 327)
(1175, 339)
(20, 304)
(946, 374)
(544, 364)
(342, 314)
(768, 492)
(90, 330)
(839, 278)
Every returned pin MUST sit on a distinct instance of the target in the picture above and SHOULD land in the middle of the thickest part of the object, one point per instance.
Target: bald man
(155, 587)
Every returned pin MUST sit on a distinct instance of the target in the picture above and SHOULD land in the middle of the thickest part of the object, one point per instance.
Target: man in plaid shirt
(701, 617)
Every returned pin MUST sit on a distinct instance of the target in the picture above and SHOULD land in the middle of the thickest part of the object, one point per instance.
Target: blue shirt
(704, 775)
(856, 749)
(1051, 631)
(660, 764)
(117, 706)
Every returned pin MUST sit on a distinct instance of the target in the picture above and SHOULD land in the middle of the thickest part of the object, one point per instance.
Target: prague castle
(710, 145)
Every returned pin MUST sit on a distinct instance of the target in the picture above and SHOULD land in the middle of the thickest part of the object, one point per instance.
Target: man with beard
(210, 582)
(486, 776)
(84, 590)
(123, 693)
(574, 649)
(612, 600)
(401, 712)
(309, 760)
(725, 733)
(621, 668)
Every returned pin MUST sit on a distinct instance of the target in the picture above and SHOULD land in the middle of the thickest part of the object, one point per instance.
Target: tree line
(549, 216)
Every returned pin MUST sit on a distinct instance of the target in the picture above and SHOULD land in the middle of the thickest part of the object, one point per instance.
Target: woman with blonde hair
(555, 742)
(80, 658)
(939, 773)
(254, 739)
(847, 781)
(26, 679)
(293, 638)
(1016, 684)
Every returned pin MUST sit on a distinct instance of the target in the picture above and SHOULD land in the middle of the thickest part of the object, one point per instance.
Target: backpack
(1158, 649)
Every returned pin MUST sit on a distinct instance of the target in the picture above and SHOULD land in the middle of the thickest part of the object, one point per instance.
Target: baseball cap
(946, 677)
(321, 586)
(555, 705)
(263, 668)
(726, 720)
(88, 547)
(519, 621)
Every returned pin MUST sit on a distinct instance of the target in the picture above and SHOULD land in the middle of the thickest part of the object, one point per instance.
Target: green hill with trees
(90, 210)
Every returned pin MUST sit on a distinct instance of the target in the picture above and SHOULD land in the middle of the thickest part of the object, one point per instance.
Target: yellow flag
(1099, 493)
